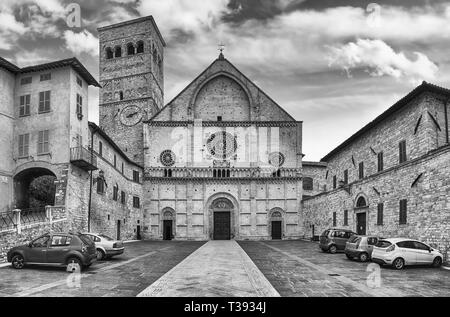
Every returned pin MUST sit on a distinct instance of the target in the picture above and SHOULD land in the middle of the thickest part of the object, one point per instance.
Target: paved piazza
(226, 268)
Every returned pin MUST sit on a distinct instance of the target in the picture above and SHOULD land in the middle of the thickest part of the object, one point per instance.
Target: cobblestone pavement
(300, 269)
(141, 265)
(217, 269)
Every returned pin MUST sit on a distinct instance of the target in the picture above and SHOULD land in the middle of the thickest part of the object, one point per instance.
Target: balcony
(221, 173)
(83, 158)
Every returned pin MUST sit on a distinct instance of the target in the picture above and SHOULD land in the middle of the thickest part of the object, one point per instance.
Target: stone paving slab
(300, 269)
(217, 269)
(124, 276)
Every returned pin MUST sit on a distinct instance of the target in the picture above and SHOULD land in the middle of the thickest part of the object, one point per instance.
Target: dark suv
(61, 249)
(333, 240)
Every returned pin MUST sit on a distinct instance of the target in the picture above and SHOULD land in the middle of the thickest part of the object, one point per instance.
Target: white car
(400, 252)
(105, 246)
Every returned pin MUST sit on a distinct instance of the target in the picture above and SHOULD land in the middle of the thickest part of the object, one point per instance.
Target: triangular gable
(263, 108)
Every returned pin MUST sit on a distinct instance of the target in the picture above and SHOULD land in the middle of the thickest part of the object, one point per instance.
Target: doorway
(118, 229)
(168, 230)
(361, 223)
(138, 233)
(276, 230)
(222, 226)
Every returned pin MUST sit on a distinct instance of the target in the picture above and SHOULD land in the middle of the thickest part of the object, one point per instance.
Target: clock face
(131, 116)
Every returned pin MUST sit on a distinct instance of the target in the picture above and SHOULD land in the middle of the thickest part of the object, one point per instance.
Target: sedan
(106, 247)
(402, 252)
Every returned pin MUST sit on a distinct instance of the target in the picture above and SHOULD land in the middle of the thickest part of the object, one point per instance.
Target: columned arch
(222, 203)
(276, 218)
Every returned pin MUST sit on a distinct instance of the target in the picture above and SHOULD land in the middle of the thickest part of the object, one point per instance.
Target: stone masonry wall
(424, 183)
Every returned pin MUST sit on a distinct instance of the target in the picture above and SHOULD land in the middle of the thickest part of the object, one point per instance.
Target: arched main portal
(34, 188)
(361, 211)
(222, 211)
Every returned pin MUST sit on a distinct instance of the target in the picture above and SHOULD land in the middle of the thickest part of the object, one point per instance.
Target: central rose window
(222, 145)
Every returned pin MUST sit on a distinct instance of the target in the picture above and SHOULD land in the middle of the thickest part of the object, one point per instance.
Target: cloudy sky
(334, 64)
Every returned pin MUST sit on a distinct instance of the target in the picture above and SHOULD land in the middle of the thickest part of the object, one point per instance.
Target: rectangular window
(219, 118)
(402, 152)
(115, 193)
(43, 142)
(122, 168)
(24, 145)
(403, 212)
(361, 170)
(26, 81)
(380, 162)
(100, 148)
(46, 77)
(115, 161)
(334, 219)
(380, 214)
(122, 197)
(345, 217)
(136, 202)
(136, 176)
(44, 101)
(100, 186)
(346, 177)
(24, 109)
(79, 82)
(334, 182)
(79, 107)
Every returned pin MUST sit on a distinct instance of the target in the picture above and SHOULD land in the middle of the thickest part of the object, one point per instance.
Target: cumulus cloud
(83, 42)
(381, 60)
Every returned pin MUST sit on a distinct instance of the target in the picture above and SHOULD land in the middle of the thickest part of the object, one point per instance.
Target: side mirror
(430, 249)
(30, 245)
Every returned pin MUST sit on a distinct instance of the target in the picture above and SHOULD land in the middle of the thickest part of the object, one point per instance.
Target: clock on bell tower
(132, 79)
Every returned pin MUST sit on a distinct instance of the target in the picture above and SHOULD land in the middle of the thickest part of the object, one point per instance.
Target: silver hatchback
(360, 247)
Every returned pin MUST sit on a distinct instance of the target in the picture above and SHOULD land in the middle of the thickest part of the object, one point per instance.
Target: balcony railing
(83, 158)
(221, 173)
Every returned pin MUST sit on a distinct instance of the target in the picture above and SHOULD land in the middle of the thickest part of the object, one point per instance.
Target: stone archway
(361, 214)
(223, 212)
(276, 225)
(43, 191)
(168, 224)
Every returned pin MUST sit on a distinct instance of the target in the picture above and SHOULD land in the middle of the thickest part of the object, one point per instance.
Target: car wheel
(437, 262)
(399, 264)
(364, 257)
(18, 262)
(73, 263)
(100, 254)
(333, 249)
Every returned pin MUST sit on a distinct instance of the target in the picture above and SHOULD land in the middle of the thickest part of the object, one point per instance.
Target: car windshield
(106, 237)
(383, 244)
(354, 239)
(86, 239)
(326, 233)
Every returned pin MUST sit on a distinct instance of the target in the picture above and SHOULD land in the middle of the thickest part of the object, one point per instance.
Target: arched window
(361, 202)
(109, 53)
(130, 49)
(121, 95)
(277, 174)
(140, 47)
(118, 51)
(308, 183)
(155, 56)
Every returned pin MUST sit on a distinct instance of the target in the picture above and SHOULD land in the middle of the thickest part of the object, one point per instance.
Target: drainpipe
(90, 181)
(446, 120)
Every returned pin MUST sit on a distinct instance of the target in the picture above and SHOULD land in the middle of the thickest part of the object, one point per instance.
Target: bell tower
(132, 80)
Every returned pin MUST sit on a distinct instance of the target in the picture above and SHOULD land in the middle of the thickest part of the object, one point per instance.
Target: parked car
(402, 252)
(334, 240)
(105, 246)
(60, 249)
(360, 247)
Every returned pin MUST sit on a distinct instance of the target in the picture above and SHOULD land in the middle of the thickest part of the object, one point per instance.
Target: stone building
(391, 178)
